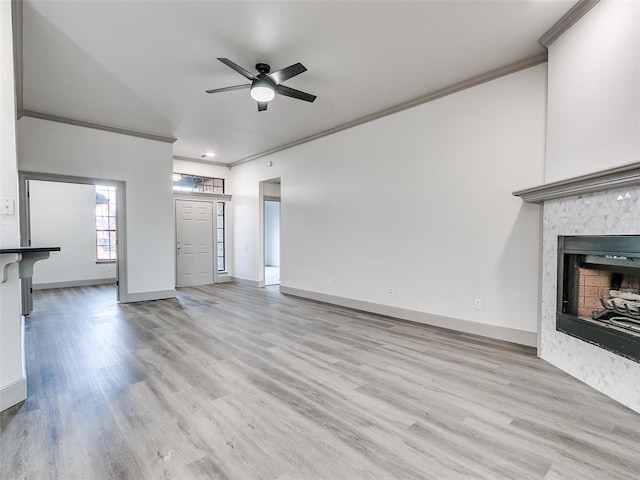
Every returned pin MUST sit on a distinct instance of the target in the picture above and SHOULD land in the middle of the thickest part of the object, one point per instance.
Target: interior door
(194, 242)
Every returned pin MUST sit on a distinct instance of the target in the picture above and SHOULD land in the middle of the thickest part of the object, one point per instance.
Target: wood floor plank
(231, 382)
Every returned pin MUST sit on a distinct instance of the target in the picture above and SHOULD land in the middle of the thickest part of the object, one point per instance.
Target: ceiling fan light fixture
(262, 91)
(266, 84)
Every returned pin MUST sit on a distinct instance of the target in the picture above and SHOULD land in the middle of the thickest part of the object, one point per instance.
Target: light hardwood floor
(234, 382)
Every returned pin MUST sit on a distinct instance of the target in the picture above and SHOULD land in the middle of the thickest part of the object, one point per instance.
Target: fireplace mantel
(619, 177)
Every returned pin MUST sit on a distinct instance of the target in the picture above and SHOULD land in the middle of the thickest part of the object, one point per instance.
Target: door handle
(178, 245)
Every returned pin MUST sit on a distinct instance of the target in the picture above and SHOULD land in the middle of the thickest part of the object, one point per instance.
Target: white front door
(194, 232)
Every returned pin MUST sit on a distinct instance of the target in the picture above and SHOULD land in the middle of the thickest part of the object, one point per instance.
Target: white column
(13, 386)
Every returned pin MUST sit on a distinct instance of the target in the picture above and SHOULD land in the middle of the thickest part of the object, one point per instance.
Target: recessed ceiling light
(208, 155)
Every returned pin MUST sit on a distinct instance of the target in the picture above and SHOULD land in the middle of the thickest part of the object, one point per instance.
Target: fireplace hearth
(599, 291)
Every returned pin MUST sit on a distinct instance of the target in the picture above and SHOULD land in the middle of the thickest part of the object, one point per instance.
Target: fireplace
(599, 291)
(599, 206)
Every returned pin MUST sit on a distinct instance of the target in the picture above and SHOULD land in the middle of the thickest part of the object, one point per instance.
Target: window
(221, 243)
(105, 223)
(193, 183)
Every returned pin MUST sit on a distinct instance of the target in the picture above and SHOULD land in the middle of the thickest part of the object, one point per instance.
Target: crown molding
(456, 87)
(619, 177)
(568, 19)
(97, 126)
(200, 160)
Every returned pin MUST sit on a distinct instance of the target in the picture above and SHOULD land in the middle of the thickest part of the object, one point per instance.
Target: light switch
(7, 206)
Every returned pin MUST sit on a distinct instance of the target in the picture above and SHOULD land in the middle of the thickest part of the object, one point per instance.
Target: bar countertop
(29, 249)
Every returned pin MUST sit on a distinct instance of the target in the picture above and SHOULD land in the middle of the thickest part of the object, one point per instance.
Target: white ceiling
(144, 65)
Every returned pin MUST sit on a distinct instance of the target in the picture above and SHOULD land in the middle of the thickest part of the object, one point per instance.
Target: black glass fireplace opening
(599, 291)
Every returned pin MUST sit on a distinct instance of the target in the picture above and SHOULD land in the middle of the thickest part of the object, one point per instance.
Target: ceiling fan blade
(228, 89)
(262, 106)
(292, 92)
(287, 73)
(237, 68)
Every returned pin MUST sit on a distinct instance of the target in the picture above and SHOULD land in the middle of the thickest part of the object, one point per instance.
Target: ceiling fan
(265, 85)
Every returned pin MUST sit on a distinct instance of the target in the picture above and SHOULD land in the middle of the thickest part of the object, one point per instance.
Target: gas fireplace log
(625, 304)
(621, 306)
(632, 295)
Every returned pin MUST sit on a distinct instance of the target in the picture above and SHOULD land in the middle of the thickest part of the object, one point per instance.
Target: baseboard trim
(13, 394)
(246, 281)
(74, 283)
(507, 334)
(148, 296)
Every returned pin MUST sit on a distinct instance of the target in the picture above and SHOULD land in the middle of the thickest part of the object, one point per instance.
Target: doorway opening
(272, 242)
(271, 231)
(84, 217)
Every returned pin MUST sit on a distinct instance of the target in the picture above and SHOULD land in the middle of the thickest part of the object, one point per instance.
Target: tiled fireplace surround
(590, 210)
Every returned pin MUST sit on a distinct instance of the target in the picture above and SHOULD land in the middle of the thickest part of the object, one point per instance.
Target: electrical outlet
(390, 291)
(477, 304)
(329, 282)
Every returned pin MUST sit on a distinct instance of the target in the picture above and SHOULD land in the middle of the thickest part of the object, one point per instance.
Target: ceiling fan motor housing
(263, 68)
(262, 87)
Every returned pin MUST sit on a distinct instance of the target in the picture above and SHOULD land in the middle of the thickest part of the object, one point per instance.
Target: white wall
(272, 233)
(270, 189)
(64, 215)
(199, 168)
(13, 388)
(145, 165)
(594, 93)
(419, 202)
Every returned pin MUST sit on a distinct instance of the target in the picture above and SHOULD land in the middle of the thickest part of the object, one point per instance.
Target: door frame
(261, 230)
(212, 198)
(121, 226)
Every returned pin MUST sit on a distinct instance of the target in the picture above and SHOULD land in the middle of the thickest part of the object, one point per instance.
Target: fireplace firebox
(599, 291)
